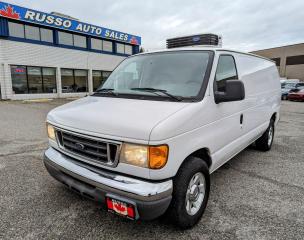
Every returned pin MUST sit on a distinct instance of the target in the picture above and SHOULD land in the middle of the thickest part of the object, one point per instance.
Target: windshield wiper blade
(155, 90)
(106, 91)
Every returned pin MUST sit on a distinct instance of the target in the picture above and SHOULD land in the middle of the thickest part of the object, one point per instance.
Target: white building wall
(28, 54)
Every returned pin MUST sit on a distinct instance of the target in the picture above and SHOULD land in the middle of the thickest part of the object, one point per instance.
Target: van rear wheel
(264, 143)
(191, 188)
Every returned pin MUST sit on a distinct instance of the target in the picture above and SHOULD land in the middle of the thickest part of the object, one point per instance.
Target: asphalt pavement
(256, 195)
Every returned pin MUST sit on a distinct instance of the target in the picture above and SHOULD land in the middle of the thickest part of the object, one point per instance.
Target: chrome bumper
(107, 181)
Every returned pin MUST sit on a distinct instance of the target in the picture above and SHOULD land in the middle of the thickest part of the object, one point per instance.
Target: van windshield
(166, 75)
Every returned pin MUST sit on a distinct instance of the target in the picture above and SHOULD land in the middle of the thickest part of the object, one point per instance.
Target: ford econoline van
(145, 143)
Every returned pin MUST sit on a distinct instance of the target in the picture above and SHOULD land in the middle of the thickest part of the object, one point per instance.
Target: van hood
(120, 117)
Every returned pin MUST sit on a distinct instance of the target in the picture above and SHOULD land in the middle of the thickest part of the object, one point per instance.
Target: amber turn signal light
(158, 156)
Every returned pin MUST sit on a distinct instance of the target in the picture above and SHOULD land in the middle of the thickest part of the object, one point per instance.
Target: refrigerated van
(145, 142)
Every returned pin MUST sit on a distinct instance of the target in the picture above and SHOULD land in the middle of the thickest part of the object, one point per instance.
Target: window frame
(27, 76)
(73, 71)
(79, 35)
(202, 91)
(55, 40)
(18, 23)
(32, 26)
(214, 79)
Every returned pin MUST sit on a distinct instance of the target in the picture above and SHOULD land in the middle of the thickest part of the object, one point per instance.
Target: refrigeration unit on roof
(207, 39)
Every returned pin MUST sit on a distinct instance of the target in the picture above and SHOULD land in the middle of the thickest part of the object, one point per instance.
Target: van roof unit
(207, 39)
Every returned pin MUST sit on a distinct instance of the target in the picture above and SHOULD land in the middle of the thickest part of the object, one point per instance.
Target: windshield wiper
(155, 90)
(106, 91)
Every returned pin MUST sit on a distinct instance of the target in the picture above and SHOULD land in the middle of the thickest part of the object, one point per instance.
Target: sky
(245, 25)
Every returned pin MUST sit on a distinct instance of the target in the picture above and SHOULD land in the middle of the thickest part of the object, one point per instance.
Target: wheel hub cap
(195, 193)
(270, 135)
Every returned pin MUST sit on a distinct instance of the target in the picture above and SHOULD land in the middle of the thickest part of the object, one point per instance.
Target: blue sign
(28, 15)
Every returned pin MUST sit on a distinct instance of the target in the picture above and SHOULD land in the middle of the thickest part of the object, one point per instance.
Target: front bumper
(150, 198)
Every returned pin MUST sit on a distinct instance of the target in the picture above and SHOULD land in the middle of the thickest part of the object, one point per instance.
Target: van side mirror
(235, 91)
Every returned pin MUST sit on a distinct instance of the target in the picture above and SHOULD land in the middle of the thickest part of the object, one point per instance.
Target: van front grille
(87, 148)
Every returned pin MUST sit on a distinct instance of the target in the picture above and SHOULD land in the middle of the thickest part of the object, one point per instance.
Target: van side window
(226, 70)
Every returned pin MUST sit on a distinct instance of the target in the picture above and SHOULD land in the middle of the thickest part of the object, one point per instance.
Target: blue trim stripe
(32, 16)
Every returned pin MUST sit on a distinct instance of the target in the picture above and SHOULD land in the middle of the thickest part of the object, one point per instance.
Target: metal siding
(21, 53)
(3, 27)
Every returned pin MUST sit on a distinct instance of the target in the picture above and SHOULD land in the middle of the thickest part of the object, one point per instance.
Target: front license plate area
(121, 208)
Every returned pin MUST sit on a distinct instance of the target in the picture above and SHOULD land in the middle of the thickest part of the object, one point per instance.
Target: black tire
(264, 143)
(177, 210)
(284, 97)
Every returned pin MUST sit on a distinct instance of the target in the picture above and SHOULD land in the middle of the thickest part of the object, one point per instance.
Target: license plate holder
(121, 208)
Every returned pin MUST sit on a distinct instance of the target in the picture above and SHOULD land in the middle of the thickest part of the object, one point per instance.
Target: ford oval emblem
(79, 146)
(196, 39)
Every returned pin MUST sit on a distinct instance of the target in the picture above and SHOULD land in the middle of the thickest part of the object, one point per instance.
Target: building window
(19, 79)
(225, 70)
(128, 49)
(99, 77)
(107, 46)
(81, 80)
(295, 60)
(65, 38)
(124, 49)
(80, 41)
(32, 32)
(49, 80)
(74, 80)
(16, 29)
(33, 79)
(46, 35)
(96, 44)
(120, 48)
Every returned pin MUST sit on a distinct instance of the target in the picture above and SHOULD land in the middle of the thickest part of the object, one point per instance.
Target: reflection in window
(99, 77)
(33, 79)
(65, 38)
(128, 49)
(81, 79)
(107, 46)
(74, 80)
(96, 44)
(32, 32)
(80, 41)
(19, 79)
(46, 35)
(16, 29)
(49, 80)
(124, 49)
(226, 70)
(120, 48)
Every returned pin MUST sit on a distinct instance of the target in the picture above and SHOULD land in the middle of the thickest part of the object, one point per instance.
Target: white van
(146, 142)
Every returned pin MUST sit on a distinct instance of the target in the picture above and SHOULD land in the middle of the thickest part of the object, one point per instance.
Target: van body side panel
(217, 127)
(262, 93)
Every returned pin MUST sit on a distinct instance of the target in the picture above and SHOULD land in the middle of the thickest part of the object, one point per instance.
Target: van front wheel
(191, 188)
(264, 143)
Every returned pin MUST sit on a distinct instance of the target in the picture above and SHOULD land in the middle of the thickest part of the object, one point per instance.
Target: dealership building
(52, 55)
(289, 60)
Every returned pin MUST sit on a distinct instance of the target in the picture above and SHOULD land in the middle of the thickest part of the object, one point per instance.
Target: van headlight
(154, 157)
(51, 132)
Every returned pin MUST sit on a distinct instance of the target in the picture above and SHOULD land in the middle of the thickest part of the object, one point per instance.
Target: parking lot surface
(256, 195)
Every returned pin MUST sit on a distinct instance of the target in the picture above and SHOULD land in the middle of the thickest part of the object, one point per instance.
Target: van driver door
(228, 115)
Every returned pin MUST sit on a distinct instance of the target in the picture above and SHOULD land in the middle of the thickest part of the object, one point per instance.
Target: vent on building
(195, 40)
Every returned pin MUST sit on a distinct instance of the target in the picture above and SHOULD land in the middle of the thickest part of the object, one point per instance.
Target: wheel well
(274, 117)
(203, 154)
